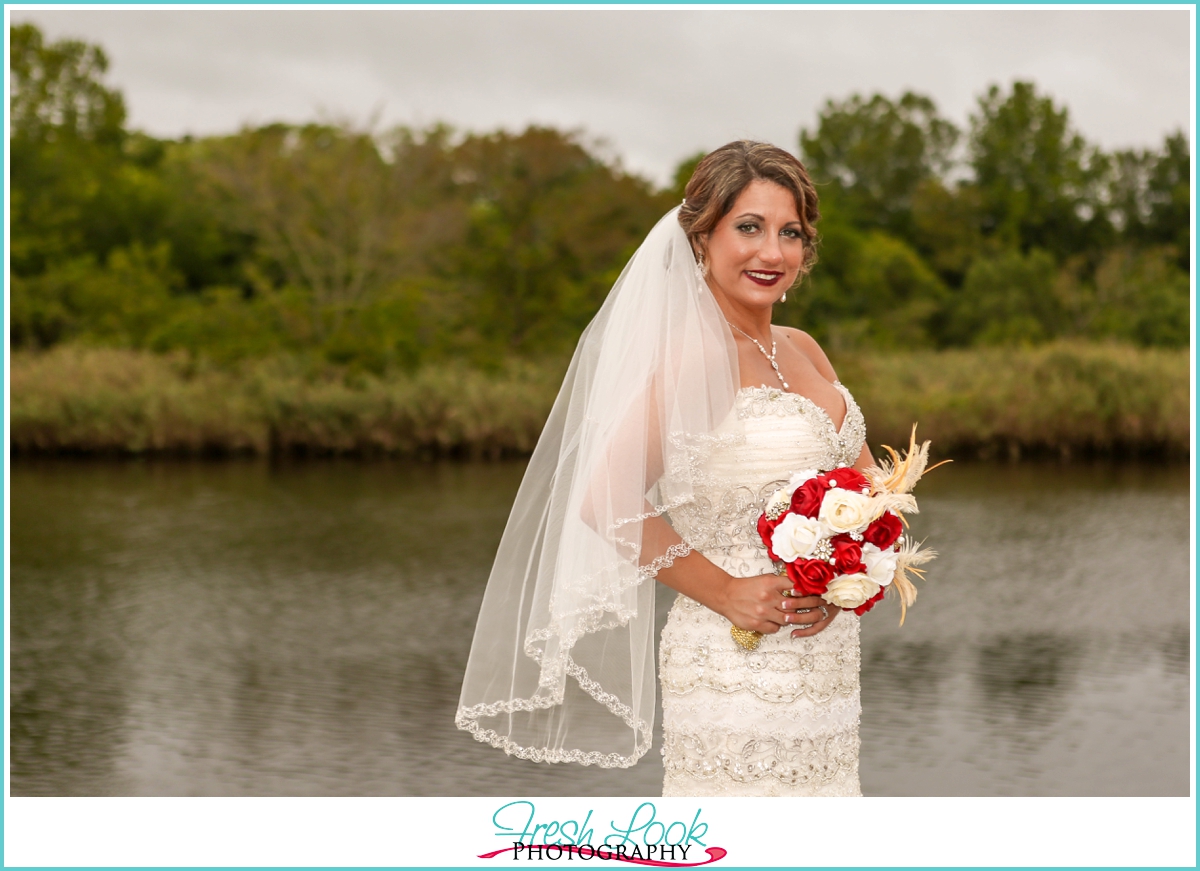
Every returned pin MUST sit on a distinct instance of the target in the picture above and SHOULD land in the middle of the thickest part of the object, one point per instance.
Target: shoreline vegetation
(326, 289)
(1063, 399)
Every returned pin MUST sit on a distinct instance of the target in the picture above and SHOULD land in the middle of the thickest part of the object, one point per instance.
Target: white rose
(881, 564)
(795, 537)
(798, 478)
(846, 511)
(850, 591)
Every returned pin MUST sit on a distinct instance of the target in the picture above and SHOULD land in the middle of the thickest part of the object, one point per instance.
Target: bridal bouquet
(839, 534)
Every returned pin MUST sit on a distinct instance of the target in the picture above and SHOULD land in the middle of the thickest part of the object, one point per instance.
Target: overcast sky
(656, 85)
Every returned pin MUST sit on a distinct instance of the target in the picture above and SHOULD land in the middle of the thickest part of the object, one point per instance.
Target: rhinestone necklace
(770, 357)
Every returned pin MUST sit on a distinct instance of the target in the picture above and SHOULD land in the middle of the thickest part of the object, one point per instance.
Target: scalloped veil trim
(467, 718)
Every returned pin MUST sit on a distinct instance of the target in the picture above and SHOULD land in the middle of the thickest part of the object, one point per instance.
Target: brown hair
(722, 175)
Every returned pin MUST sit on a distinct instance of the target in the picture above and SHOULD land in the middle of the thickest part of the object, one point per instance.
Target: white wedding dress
(782, 719)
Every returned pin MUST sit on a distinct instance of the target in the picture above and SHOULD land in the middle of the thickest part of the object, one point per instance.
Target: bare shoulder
(807, 345)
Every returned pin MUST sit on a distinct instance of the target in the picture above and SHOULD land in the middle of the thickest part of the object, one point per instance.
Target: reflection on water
(1026, 676)
(244, 628)
(1048, 653)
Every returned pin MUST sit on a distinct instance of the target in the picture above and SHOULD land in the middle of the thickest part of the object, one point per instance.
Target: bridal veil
(562, 666)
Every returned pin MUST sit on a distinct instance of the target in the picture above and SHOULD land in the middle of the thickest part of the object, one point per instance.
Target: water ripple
(252, 629)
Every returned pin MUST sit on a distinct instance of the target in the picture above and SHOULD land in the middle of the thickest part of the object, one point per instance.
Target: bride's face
(755, 252)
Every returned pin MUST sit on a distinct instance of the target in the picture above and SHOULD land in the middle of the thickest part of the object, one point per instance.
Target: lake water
(247, 628)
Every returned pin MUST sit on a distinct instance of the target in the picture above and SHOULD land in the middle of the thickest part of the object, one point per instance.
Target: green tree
(874, 154)
(81, 184)
(322, 208)
(683, 174)
(411, 244)
(1150, 192)
(324, 228)
(869, 290)
(948, 227)
(121, 302)
(549, 226)
(376, 250)
(57, 93)
(1141, 297)
(1006, 299)
(1040, 182)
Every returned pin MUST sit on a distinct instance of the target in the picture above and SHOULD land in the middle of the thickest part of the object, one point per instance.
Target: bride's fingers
(818, 620)
(805, 601)
(767, 627)
(792, 605)
(767, 623)
(768, 620)
(791, 614)
(802, 621)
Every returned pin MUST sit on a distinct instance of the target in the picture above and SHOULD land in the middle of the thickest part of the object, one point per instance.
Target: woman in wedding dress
(683, 410)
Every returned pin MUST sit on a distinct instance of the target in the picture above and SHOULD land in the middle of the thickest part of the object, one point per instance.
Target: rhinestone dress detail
(782, 719)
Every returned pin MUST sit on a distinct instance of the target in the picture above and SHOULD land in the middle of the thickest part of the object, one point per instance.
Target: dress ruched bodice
(782, 719)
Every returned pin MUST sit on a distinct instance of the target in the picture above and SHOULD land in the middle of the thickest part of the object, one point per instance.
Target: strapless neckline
(808, 403)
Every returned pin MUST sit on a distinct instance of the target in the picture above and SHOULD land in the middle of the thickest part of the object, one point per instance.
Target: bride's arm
(748, 603)
(754, 603)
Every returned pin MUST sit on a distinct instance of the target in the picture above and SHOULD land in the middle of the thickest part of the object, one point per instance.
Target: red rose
(884, 531)
(870, 603)
(847, 555)
(806, 501)
(766, 527)
(810, 577)
(848, 479)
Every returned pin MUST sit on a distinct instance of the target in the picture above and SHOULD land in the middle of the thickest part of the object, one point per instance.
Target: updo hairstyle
(722, 175)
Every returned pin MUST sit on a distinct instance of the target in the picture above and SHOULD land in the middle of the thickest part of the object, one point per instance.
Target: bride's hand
(764, 604)
(812, 612)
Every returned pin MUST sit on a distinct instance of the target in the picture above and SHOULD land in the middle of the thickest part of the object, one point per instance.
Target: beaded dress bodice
(783, 433)
(782, 719)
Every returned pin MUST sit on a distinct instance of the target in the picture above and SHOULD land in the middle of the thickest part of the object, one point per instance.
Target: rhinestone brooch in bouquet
(840, 534)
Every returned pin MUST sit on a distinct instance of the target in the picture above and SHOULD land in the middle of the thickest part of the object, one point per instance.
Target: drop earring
(784, 297)
(701, 271)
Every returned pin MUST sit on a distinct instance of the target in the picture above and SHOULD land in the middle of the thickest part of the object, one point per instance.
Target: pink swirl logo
(587, 851)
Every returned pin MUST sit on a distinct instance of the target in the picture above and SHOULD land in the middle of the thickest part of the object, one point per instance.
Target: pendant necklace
(770, 357)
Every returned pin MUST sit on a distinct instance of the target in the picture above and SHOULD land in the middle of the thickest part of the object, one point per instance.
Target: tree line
(382, 250)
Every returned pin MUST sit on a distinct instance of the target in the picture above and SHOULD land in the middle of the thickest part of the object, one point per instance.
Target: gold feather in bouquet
(901, 474)
(899, 503)
(892, 480)
(911, 556)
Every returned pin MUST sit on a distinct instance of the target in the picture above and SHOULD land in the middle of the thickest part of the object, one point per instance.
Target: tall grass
(112, 401)
(1067, 399)
(1063, 399)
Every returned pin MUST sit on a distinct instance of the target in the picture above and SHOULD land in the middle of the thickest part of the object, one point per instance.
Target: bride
(682, 411)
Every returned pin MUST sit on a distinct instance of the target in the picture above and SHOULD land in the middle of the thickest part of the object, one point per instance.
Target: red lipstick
(758, 276)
